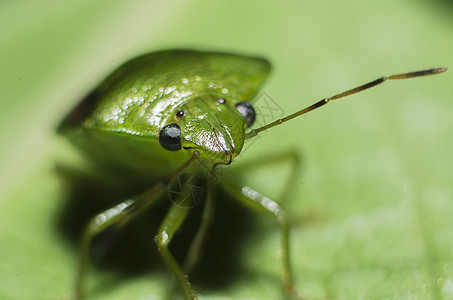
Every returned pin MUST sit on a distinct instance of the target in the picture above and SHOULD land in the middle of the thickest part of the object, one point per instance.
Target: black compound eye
(247, 110)
(170, 137)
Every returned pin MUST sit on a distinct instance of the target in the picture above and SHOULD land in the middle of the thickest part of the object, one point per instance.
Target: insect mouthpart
(231, 159)
(228, 157)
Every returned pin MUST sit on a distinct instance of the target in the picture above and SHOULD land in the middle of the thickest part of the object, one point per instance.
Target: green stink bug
(174, 112)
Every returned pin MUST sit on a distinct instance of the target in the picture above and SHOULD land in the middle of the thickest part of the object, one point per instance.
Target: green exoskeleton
(173, 112)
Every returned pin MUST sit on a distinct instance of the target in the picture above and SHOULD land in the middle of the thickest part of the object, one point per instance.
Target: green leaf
(371, 205)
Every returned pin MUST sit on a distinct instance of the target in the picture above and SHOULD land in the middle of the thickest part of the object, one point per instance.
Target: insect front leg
(115, 217)
(119, 216)
(172, 222)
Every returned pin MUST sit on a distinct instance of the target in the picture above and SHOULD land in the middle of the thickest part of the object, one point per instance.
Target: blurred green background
(373, 201)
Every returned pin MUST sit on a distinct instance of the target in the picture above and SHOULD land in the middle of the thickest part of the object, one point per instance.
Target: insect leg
(196, 248)
(291, 157)
(119, 216)
(256, 201)
(172, 222)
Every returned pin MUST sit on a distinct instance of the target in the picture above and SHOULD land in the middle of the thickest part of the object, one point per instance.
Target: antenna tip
(440, 70)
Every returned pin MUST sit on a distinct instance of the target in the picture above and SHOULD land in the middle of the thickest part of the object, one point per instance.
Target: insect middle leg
(197, 245)
(259, 202)
(287, 156)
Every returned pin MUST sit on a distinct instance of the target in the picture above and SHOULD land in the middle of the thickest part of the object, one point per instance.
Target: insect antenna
(358, 89)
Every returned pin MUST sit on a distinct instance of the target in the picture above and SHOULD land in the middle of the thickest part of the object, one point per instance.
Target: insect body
(172, 112)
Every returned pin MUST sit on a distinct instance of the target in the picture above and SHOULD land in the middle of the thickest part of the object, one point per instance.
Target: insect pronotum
(173, 112)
